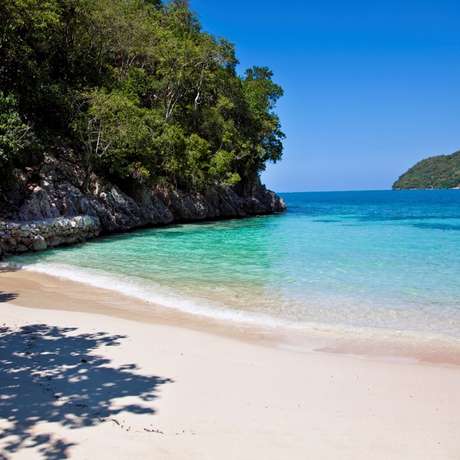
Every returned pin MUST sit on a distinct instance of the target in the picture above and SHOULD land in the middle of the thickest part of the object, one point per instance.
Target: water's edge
(351, 266)
(360, 341)
(59, 211)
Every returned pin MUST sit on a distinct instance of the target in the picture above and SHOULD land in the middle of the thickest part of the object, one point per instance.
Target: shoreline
(94, 366)
(364, 342)
(34, 228)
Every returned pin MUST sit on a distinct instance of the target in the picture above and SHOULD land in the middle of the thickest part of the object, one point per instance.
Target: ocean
(380, 260)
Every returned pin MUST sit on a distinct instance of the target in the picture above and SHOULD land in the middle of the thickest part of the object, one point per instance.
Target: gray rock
(39, 243)
(61, 210)
(18, 237)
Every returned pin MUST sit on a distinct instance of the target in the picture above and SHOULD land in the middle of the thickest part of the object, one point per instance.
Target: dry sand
(87, 374)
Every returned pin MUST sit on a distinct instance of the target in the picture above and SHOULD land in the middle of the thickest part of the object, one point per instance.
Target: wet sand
(88, 373)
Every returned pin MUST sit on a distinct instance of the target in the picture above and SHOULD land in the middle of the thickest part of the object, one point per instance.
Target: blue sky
(371, 87)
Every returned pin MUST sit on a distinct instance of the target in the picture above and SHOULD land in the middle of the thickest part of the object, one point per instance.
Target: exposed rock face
(49, 207)
(17, 237)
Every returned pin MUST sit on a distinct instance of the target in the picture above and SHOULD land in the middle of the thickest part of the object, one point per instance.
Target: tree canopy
(442, 171)
(137, 88)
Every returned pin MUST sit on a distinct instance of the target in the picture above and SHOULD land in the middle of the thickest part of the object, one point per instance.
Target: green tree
(138, 89)
(15, 134)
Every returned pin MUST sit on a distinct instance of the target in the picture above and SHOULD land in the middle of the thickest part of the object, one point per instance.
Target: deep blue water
(380, 259)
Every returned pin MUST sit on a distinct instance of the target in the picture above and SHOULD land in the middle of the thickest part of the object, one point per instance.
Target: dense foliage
(137, 88)
(15, 135)
(436, 172)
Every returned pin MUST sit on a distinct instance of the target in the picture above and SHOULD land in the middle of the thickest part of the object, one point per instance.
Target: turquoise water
(385, 260)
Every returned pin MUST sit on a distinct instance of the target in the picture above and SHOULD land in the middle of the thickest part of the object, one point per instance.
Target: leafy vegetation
(15, 134)
(137, 88)
(436, 172)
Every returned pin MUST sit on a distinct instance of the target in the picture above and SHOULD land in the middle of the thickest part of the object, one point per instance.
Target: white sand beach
(87, 374)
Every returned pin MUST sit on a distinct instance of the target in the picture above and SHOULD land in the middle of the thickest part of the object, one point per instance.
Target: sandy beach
(87, 373)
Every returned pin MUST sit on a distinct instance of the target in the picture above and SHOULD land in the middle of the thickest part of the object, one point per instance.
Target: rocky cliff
(53, 204)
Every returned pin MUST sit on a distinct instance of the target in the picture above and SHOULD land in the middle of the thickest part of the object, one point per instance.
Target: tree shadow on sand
(7, 296)
(8, 268)
(51, 374)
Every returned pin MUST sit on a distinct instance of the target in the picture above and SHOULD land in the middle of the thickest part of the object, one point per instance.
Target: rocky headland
(53, 204)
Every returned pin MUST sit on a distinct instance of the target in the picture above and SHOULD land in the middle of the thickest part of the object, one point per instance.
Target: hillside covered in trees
(435, 172)
(133, 91)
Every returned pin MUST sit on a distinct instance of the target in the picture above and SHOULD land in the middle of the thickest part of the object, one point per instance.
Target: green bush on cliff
(139, 89)
(15, 135)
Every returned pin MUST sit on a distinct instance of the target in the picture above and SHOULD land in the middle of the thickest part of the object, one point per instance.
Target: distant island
(441, 171)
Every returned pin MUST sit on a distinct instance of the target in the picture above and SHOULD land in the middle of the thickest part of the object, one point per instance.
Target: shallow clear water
(381, 259)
